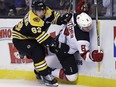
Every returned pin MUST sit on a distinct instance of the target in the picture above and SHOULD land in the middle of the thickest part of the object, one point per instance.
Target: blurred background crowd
(16, 8)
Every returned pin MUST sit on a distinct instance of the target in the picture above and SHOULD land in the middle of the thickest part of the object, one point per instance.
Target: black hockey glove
(64, 19)
(56, 46)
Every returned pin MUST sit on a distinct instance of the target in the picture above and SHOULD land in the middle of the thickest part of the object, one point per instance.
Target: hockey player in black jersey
(30, 37)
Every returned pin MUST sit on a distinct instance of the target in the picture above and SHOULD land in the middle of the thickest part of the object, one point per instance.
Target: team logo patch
(36, 19)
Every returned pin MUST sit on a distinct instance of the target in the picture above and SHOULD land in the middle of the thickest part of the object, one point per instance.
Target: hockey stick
(97, 25)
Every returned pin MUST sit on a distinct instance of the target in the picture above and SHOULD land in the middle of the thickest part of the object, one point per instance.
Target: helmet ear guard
(38, 5)
(84, 21)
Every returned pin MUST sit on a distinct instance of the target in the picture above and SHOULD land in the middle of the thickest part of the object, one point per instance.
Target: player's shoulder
(48, 11)
(34, 20)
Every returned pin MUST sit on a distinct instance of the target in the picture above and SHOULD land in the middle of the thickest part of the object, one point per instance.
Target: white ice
(25, 83)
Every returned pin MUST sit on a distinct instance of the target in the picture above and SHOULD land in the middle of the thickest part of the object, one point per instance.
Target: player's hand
(54, 45)
(66, 18)
(97, 56)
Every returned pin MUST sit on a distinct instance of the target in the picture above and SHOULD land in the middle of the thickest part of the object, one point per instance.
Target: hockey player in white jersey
(76, 36)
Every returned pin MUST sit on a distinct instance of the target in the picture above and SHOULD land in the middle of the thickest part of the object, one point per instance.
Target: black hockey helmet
(38, 5)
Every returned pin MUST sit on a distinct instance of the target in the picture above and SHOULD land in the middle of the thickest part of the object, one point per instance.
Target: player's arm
(86, 54)
(41, 35)
(56, 18)
(46, 40)
(64, 19)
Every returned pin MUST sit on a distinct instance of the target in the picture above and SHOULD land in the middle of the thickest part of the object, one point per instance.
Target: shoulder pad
(35, 20)
(48, 11)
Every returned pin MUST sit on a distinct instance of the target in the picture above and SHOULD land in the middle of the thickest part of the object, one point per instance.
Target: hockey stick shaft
(97, 25)
(97, 30)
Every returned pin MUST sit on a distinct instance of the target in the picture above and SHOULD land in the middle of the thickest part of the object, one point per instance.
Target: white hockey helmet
(84, 21)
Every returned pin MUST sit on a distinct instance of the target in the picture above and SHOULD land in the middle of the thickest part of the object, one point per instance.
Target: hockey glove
(56, 46)
(64, 19)
(97, 56)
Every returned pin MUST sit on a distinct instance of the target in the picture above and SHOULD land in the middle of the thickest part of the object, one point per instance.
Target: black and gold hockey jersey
(33, 27)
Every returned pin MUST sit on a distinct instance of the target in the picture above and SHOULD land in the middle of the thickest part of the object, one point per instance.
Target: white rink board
(106, 69)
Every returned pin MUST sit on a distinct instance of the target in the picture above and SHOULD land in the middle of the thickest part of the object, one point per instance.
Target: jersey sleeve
(83, 46)
(41, 34)
(52, 16)
(43, 38)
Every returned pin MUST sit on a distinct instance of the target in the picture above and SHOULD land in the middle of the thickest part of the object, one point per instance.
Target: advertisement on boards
(5, 33)
(15, 56)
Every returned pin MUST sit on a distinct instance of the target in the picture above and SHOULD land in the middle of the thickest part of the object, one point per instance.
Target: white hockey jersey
(77, 39)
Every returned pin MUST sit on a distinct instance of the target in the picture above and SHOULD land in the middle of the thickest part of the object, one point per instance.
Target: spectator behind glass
(106, 4)
(61, 6)
(4, 9)
(53, 4)
(19, 4)
(100, 7)
(11, 5)
(24, 10)
(83, 6)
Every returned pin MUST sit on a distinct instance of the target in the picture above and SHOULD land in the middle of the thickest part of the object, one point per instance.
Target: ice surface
(25, 83)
